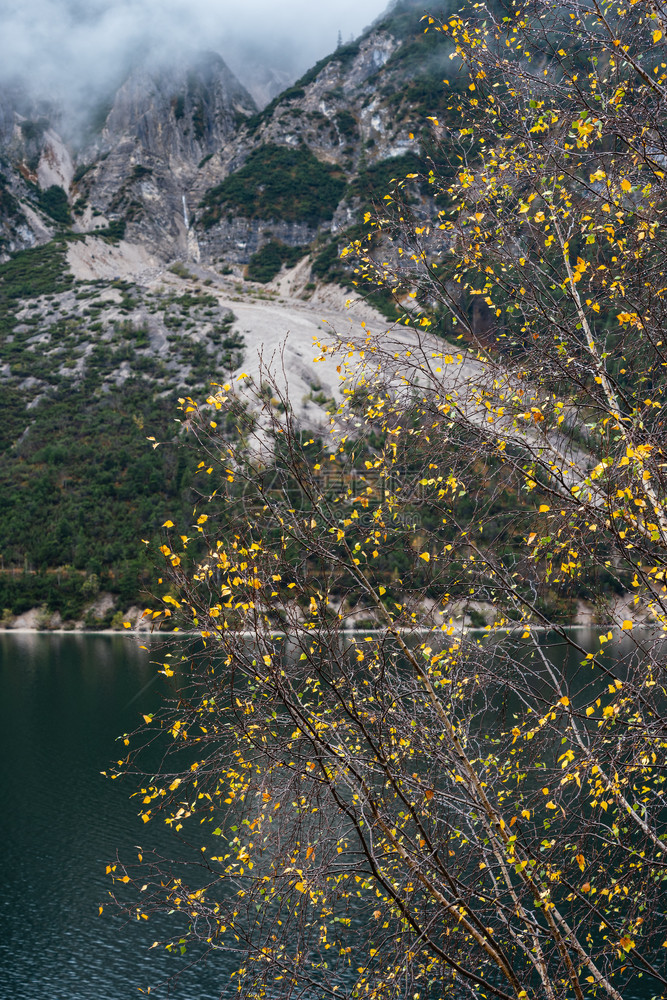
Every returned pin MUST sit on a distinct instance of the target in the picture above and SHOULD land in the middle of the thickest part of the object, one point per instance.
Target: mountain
(186, 145)
(127, 247)
(136, 159)
(262, 80)
(33, 158)
(162, 124)
(359, 112)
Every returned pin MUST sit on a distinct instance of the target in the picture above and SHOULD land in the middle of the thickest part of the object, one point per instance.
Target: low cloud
(77, 50)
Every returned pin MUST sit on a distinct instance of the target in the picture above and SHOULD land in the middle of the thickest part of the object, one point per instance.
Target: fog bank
(77, 50)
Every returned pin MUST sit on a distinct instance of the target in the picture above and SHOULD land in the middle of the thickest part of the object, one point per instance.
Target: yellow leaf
(127, 624)
(581, 861)
(202, 519)
(168, 524)
(300, 886)
(425, 556)
(100, 909)
(626, 185)
(544, 507)
(382, 590)
(564, 701)
(627, 625)
(175, 783)
(310, 852)
(657, 35)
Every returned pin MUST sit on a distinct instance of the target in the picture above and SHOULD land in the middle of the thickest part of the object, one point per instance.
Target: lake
(64, 700)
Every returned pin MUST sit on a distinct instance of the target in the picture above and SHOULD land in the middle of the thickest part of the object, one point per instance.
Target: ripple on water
(63, 702)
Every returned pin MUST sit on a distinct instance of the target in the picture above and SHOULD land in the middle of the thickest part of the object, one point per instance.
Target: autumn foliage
(412, 808)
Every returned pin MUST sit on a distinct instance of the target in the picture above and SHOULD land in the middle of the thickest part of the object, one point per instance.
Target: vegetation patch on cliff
(267, 262)
(278, 183)
(38, 271)
(374, 181)
(53, 201)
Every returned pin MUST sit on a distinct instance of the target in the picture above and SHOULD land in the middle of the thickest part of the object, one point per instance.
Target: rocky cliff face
(161, 126)
(360, 109)
(29, 152)
(138, 166)
(157, 160)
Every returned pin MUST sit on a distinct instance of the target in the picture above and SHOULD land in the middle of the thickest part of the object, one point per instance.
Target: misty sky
(80, 46)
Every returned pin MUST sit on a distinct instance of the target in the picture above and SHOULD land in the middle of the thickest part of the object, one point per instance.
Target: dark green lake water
(63, 702)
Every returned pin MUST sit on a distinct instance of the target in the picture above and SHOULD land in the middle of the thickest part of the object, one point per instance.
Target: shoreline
(483, 630)
(73, 631)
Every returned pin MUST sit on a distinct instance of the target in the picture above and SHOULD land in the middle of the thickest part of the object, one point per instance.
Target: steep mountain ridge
(178, 132)
(361, 110)
(135, 160)
(160, 127)
(325, 115)
(27, 140)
